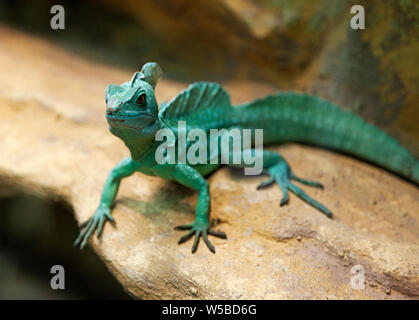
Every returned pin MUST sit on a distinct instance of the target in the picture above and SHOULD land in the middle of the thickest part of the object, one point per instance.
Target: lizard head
(131, 108)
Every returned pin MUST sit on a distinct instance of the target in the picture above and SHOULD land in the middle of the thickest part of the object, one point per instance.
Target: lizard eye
(140, 100)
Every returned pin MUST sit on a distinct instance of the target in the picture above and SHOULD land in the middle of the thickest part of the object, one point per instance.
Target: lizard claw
(88, 227)
(199, 229)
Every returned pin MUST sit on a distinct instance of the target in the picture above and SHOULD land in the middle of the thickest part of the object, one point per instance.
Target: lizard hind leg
(280, 172)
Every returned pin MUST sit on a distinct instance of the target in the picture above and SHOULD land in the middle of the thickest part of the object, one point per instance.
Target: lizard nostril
(111, 111)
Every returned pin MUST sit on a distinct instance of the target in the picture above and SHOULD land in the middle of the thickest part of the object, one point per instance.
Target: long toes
(218, 234)
(283, 186)
(77, 241)
(195, 241)
(83, 232)
(207, 242)
(300, 193)
(265, 183)
(109, 216)
(186, 237)
(306, 182)
(184, 227)
(100, 227)
(83, 224)
(316, 184)
(284, 199)
(87, 235)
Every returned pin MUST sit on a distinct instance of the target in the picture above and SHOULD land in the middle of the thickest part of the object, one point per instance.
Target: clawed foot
(282, 175)
(200, 229)
(95, 222)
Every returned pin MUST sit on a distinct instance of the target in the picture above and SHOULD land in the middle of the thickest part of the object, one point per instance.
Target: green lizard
(133, 116)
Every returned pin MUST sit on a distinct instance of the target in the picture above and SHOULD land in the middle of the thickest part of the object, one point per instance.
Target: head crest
(150, 73)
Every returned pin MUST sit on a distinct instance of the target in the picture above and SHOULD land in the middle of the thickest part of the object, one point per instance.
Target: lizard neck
(139, 142)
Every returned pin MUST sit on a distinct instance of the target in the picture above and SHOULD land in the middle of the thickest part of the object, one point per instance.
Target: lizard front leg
(190, 177)
(124, 169)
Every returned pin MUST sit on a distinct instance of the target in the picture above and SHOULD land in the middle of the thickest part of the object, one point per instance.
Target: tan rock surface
(54, 141)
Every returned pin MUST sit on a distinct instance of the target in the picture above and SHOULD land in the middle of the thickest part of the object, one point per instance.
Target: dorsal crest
(199, 100)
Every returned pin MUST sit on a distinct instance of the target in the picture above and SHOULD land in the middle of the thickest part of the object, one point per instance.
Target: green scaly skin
(133, 116)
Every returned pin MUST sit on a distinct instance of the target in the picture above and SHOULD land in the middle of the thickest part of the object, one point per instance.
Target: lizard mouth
(125, 117)
(135, 121)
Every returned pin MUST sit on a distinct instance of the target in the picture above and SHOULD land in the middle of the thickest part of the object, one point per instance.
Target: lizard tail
(292, 117)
